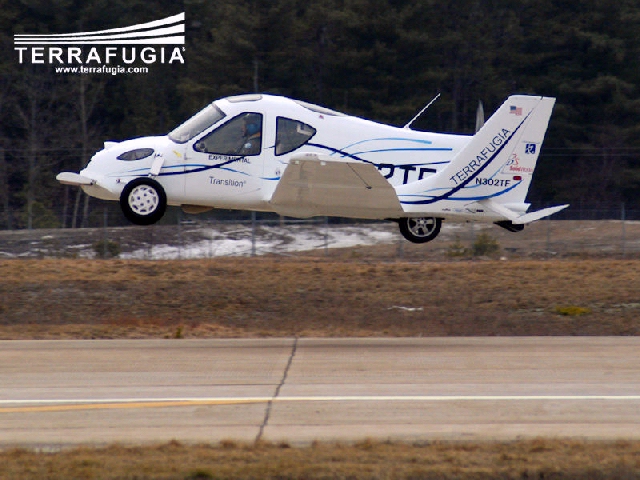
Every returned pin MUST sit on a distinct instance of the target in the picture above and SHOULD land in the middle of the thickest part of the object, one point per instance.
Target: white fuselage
(196, 175)
(268, 153)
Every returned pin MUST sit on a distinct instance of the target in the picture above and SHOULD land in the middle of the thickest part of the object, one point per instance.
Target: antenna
(479, 116)
(408, 125)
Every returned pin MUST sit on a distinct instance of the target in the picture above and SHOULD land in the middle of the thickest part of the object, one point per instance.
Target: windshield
(197, 124)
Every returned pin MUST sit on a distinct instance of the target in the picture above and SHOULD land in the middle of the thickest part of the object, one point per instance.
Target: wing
(70, 178)
(314, 185)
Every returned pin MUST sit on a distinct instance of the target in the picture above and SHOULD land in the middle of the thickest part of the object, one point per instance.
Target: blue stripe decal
(355, 156)
(471, 177)
(199, 167)
(341, 152)
(391, 139)
(465, 199)
(382, 150)
(188, 168)
(203, 168)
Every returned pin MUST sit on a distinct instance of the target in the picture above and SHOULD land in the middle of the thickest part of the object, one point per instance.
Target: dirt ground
(307, 295)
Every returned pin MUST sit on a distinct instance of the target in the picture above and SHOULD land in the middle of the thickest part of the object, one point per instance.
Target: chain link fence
(580, 232)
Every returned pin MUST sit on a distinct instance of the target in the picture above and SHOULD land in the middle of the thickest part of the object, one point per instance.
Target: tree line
(380, 59)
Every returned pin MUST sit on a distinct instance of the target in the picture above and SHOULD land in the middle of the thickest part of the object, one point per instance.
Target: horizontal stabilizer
(515, 217)
(533, 216)
(316, 185)
(70, 178)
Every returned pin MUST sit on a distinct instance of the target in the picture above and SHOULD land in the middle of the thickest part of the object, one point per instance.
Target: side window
(241, 135)
(291, 134)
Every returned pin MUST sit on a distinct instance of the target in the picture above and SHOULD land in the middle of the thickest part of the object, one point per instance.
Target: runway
(60, 393)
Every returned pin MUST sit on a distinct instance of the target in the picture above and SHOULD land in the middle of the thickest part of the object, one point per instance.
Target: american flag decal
(517, 111)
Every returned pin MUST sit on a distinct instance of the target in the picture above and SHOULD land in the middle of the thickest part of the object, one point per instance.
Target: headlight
(137, 154)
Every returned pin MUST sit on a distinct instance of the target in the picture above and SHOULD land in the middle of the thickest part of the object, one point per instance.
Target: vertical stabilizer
(498, 163)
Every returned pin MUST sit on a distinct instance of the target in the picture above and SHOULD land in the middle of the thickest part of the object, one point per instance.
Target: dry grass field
(531, 459)
(314, 296)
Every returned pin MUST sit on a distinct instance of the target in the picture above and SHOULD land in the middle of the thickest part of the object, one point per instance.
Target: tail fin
(497, 163)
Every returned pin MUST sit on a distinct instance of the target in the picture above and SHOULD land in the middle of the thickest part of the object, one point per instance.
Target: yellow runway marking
(87, 404)
(125, 405)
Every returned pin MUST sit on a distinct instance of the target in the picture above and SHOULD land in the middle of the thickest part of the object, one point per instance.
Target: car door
(224, 166)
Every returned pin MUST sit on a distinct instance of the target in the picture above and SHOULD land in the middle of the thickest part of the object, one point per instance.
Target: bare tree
(4, 172)
(42, 113)
(89, 92)
(4, 188)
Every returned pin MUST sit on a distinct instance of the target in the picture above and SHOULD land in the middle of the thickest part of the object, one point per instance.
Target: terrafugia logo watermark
(118, 50)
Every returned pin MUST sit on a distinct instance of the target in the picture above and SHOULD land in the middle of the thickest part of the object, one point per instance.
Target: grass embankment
(557, 459)
(254, 297)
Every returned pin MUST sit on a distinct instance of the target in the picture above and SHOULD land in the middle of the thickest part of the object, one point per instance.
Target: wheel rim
(144, 200)
(421, 227)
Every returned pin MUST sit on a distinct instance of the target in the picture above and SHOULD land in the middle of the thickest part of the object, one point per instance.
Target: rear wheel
(420, 230)
(143, 201)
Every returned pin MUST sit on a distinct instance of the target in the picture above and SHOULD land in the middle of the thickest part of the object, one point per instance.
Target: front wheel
(143, 201)
(420, 230)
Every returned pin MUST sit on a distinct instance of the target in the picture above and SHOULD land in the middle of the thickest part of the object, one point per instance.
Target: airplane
(274, 154)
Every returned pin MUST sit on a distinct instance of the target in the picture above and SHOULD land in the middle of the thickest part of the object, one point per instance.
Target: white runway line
(345, 398)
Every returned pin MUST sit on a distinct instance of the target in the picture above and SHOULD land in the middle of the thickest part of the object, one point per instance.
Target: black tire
(420, 230)
(143, 201)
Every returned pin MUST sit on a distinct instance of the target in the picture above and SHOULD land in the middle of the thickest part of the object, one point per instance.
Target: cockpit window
(319, 109)
(291, 134)
(241, 135)
(197, 124)
(250, 97)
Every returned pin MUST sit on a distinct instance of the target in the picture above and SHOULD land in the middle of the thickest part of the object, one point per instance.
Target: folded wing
(317, 185)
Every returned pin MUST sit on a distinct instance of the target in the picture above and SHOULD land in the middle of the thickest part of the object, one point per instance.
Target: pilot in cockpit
(252, 132)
